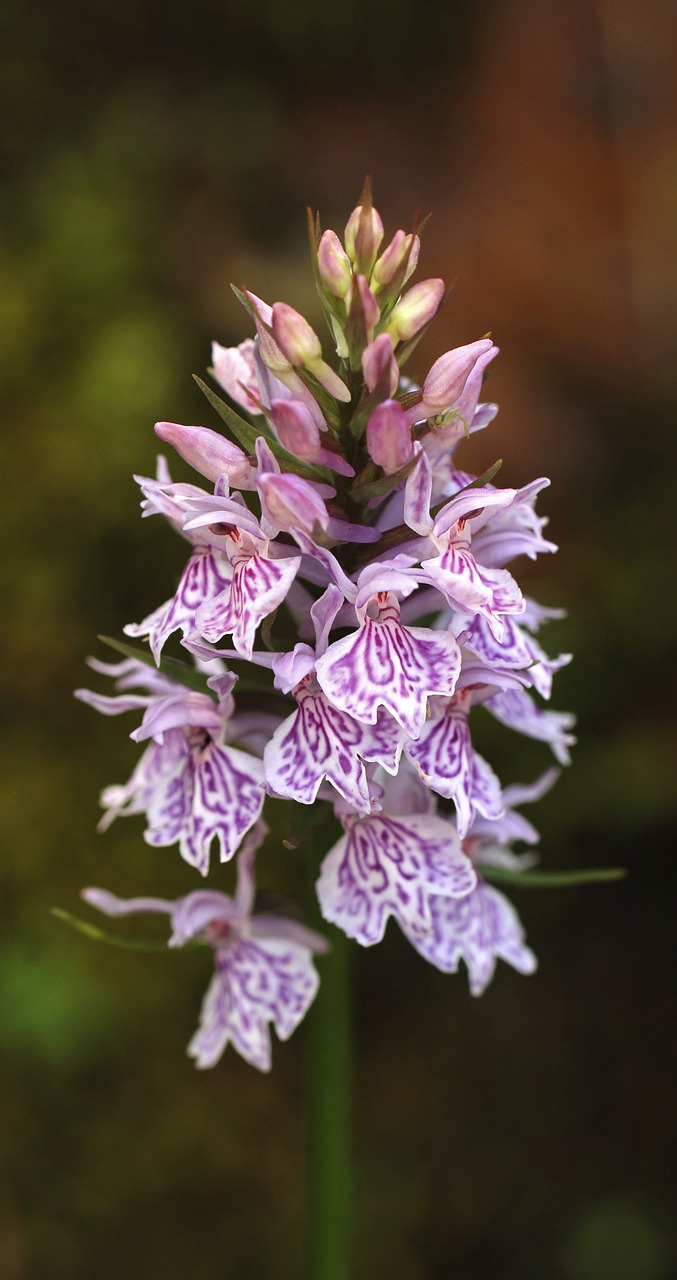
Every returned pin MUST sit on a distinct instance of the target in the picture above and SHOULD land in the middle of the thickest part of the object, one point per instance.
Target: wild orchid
(346, 615)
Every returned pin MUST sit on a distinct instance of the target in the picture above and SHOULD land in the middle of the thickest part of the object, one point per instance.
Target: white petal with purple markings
(206, 574)
(386, 867)
(216, 795)
(385, 664)
(516, 709)
(259, 585)
(445, 758)
(318, 741)
(255, 984)
(479, 929)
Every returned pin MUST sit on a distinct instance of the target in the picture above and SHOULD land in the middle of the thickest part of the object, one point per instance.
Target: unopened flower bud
(363, 236)
(401, 255)
(301, 346)
(294, 336)
(289, 502)
(298, 432)
(450, 373)
(379, 365)
(369, 305)
(389, 437)
(295, 428)
(208, 452)
(271, 354)
(415, 310)
(333, 265)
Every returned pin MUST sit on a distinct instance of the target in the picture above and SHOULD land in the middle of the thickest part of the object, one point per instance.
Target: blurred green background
(152, 154)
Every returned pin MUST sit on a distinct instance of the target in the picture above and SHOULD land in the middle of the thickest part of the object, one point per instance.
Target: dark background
(152, 154)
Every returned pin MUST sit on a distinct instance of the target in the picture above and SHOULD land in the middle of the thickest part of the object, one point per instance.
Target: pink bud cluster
(347, 616)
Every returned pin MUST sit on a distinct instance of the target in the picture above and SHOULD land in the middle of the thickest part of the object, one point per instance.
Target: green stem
(329, 1092)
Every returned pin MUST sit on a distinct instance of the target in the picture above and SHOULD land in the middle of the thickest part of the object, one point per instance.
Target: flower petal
(444, 756)
(217, 794)
(205, 575)
(514, 708)
(259, 585)
(256, 983)
(389, 866)
(478, 929)
(385, 664)
(318, 741)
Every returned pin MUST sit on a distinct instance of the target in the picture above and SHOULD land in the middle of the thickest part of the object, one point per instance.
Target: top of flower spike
(320, 420)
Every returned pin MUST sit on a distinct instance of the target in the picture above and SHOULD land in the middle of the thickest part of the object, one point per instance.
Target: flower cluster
(347, 606)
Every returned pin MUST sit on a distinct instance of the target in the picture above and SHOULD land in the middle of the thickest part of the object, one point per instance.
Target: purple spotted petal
(386, 867)
(318, 741)
(479, 929)
(259, 585)
(157, 765)
(455, 573)
(255, 984)
(384, 664)
(216, 795)
(487, 797)
(473, 589)
(205, 575)
(445, 758)
(482, 679)
(514, 708)
(506, 596)
(515, 651)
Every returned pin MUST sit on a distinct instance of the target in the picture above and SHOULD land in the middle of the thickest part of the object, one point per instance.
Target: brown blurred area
(152, 155)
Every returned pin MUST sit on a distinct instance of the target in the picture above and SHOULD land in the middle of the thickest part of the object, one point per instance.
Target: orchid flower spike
(348, 614)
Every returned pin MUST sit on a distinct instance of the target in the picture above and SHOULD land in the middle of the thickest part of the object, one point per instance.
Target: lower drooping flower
(264, 971)
(193, 786)
(391, 866)
(479, 929)
(445, 758)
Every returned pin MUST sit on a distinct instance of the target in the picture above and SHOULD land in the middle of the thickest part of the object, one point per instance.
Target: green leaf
(379, 488)
(552, 879)
(254, 682)
(245, 432)
(326, 402)
(99, 935)
(485, 478)
(243, 300)
(172, 667)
